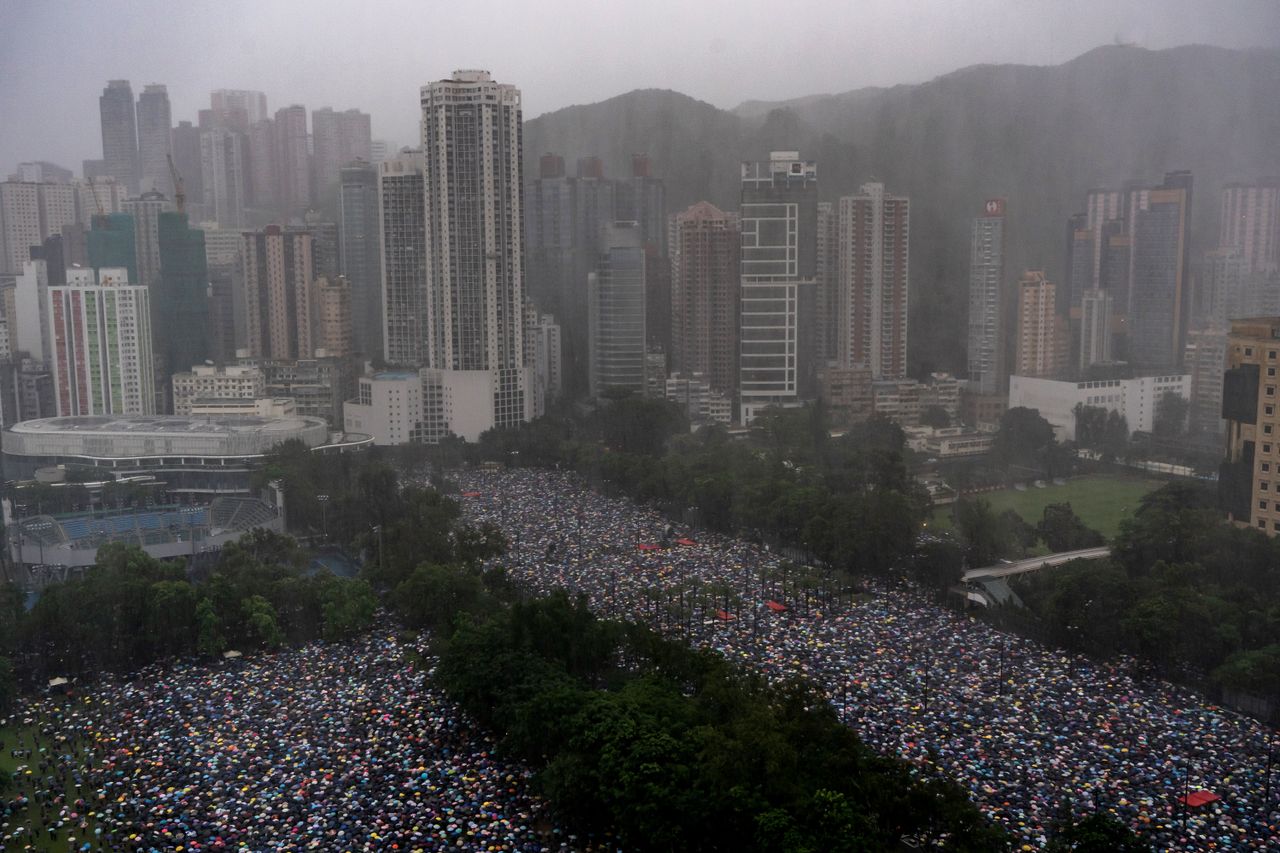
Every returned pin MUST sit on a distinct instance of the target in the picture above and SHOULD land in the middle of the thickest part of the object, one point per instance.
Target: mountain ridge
(1039, 135)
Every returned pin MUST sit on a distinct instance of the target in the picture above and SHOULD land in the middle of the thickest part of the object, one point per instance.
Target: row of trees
(658, 746)
(1194, 596)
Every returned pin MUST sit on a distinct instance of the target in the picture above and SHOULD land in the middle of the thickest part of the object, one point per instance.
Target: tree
(260, 619)
(1170, 419)
(936, 417)
(1062, 530)
(979, 528)
(1022, 439)
(210, 641)
(1098, 833)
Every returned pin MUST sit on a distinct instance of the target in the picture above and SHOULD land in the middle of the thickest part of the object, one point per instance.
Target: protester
(1031, 732)
(342, 747)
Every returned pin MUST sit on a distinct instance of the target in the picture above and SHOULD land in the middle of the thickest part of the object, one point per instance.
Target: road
(1035, 564)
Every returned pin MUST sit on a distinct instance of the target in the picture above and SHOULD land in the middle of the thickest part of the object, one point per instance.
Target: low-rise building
(701, 403)
(207, 382)
(1135, 398)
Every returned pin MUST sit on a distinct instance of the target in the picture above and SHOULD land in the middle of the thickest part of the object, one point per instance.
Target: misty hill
(1040, 135)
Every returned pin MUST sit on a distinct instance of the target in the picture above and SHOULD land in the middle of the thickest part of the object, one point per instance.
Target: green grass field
(1101, 500)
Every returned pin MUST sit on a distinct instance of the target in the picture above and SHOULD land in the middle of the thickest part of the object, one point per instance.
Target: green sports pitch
(1102, 501)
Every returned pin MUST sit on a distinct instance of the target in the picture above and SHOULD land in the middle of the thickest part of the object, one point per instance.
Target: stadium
(189, 480)
(72, 539)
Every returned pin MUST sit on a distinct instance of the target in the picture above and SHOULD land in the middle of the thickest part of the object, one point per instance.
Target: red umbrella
(685, 541)
(724, 616)
(647, 546)
(1196, 799)
(775, 606)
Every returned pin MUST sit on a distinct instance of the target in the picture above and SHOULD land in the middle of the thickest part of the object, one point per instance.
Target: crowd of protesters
(1033, 733)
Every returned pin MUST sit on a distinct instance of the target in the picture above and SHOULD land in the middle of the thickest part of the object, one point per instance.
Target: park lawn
(23, 737)
(1101, 500)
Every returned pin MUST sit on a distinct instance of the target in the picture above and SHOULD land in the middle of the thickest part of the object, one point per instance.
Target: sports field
(1101, 500)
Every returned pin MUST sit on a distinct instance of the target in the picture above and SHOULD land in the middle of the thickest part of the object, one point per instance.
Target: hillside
(1040, 135)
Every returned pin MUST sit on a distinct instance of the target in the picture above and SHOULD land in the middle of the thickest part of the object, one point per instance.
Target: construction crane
(179, 193)
(93, 188)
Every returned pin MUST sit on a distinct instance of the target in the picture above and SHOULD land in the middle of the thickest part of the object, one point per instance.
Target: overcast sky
(56, 55)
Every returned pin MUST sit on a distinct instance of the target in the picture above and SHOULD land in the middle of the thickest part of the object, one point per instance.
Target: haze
(56, 57)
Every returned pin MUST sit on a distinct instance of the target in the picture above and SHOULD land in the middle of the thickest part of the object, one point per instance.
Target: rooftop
(167, 425)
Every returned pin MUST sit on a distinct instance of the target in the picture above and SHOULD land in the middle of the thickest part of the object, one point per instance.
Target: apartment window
(1271, 354)
(1271, 390)
(1266, 429)
(1263, 485)
(1262, 523)
(1266, 466)
(1266, 448)
(1262, 504)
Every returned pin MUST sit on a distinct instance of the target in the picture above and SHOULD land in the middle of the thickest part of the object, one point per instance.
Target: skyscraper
(146, 211)
(779, 214)
(1251, 223)
(261, 180)
(154, 142)
(987, 301)
(1159, 293)
(179, 300)
(616, 313)
(872, 239)
(19, 223)
(1249, 477)
(358, 239)
(332, 321)
(339, 138)
(704, 295)
(643, 199)
(241, 108)
(826, 334)
(1041, 341)
(471, 137)
(119, 133)
(186, 159)
(403, 254)
(100, 329)
(222, 164)
(292, 160)
(277, 293)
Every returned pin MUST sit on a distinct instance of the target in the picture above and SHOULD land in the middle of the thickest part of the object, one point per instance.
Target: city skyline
(706, 54)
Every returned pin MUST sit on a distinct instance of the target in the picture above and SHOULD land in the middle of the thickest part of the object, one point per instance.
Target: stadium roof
(171, 425)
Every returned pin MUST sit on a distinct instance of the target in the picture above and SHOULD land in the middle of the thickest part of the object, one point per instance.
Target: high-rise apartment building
(403, 259)
(112, 244)
(872, 238)
(642, 199)
(471, 138)
(1206, 361)
(292, 160)
(119, 133)
(1249, 477)
(155, 145)
(277, 293)
(146, 211)
(359, 253)
(238, 107)
(542, 355)
(1251, 223)
(987, 301)
(339, 138)
(616, 313)
(261, 179)
(100, 332)
(827, 296)
(779, 216)
(19, 223)
(704, 295)
(31, 213)
(1041, 346)
(222, 165)
(332, 301)
(1160, 291)
(180, 299)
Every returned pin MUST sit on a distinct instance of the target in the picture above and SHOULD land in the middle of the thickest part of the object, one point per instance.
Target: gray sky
(56, 55)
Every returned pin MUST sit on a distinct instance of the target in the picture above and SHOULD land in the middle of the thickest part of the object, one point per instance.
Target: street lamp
(324, 514)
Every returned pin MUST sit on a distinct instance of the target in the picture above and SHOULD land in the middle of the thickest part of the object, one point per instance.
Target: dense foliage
(663, 747)
(131, 609)
(1183, 590)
